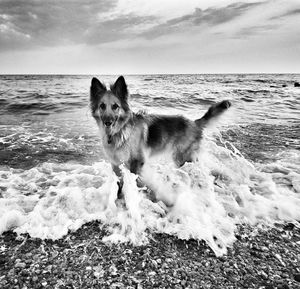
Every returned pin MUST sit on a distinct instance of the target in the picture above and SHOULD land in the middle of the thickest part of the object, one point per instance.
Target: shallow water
(54, 177)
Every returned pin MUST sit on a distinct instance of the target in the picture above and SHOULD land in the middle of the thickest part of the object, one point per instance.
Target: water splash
(203, 200)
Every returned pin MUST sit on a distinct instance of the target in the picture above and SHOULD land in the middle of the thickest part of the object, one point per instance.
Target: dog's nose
(108, 123)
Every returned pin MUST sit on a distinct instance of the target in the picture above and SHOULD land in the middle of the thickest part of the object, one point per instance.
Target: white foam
(203, 200)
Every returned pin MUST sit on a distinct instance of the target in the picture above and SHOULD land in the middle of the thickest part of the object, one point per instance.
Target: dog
(131, 138)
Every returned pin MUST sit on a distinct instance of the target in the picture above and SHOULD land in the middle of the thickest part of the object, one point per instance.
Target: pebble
(280, 281)
(285, 275)
(297, 277)
(128, 251)
(117, 285)
(28, 255)
(154, 263)
(35, 278)
(232, 279)
(20, 265)
(11, 272)
(283, 286)
(263, 274)
(222, 258)
(289, 227)
(113, 270)
(143, 264)
(98, 272)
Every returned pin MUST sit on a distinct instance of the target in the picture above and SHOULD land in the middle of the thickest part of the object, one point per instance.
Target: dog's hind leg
(186, 153)
(181, 158)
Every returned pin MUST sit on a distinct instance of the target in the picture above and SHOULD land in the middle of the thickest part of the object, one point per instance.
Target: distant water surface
(47, 118)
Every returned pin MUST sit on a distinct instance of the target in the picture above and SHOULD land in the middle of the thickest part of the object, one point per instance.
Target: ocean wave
(26, 146)
(42, 107)
(3, 101)
(247, 99)
(261, 142)
(187, 100)
(139, 96)
(205, 200)
(252, 91)
(262, 80)
(17, 107)
(36, 95)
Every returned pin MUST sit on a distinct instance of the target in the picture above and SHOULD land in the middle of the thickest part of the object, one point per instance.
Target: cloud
(209, 16)
(254, 30)
(289, 13)
(36, 24)
(48, 23)
(121, 27)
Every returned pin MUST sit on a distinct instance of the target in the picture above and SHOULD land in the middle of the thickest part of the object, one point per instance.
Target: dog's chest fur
(125, 145)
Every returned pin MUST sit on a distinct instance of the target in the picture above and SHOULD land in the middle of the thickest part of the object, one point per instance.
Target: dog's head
(110, 107)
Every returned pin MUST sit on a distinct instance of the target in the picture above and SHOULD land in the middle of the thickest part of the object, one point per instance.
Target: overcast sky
(149, 36)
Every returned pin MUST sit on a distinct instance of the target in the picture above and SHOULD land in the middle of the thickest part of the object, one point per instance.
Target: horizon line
(129, 74)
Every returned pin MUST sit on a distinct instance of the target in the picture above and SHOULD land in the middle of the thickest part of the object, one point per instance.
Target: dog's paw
(120, 203)
(224, 104)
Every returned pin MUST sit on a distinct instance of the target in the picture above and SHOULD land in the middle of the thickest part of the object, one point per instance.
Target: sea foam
(204, 200)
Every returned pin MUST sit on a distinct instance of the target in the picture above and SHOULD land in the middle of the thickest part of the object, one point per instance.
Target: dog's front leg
(118, 172)
(136, 164)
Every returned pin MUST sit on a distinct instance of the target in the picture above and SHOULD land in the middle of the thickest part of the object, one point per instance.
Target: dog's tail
(213, 112)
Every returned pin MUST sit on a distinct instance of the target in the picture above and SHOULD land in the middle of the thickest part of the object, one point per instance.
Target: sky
(149, 36)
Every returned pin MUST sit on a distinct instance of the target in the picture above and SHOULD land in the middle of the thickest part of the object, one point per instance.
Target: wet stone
(20, 265)
(297, 277)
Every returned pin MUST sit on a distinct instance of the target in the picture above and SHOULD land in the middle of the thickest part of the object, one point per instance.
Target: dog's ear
(96, 88)
(120, 88)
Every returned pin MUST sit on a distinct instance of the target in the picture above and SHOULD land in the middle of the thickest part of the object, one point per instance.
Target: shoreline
(260, 258)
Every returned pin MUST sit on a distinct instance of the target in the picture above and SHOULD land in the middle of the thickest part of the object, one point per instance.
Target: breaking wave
(204, 200)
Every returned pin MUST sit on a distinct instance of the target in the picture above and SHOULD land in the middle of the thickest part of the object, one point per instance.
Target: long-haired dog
(130, 138)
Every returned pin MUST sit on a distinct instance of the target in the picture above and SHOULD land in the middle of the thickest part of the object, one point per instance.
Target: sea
(55, 177)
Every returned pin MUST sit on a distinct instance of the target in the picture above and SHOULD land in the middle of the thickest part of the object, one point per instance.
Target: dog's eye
(102, 106)
(114, 106)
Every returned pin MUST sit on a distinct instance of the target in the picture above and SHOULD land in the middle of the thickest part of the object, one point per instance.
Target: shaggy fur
(130, 138)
